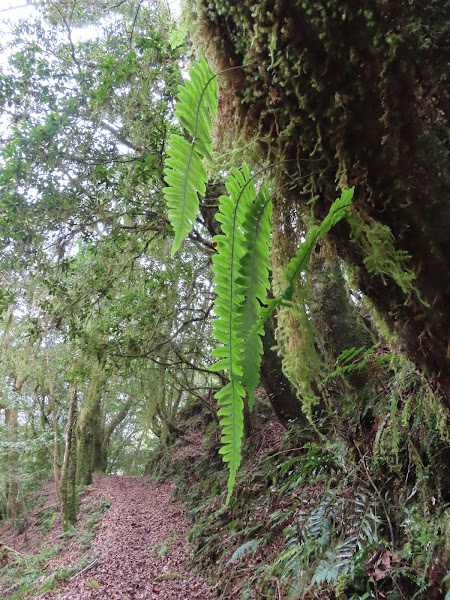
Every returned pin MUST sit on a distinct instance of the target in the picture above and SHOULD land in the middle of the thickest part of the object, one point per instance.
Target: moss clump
(381, 257)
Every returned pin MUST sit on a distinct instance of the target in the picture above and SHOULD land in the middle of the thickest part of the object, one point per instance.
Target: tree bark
(338, 323)
(103, 437)
(87, 421)
(12, 424)
(51, 393)
(281, 393)
(68, 469)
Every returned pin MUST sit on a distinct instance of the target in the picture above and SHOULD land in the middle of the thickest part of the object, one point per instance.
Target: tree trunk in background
(363, 89)
(337, 321)
(88, 421)
(51, 393)
(68, 469)
(12, 423)
(103, 437)
(281, 393)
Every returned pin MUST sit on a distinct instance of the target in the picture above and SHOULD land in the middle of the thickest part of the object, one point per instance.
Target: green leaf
(337, 211)
(185, 173)
(254, 282)
(241, 268)
(232, 215)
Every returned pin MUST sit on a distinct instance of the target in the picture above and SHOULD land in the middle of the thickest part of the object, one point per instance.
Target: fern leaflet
(185, 173)
(337, 211)
(294, 269)
(254, 281)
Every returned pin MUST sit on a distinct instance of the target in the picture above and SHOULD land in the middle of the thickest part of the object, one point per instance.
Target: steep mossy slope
(354, 503)
(337, 518)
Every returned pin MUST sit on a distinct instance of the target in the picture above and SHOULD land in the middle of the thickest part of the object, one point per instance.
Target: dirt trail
(141, 545)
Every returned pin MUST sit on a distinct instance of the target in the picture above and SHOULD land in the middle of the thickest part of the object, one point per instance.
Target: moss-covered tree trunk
(68, 469)
(361, 89)
(12, 425)
(88, 421)
(104, 433)
(280, 391)
(337, 322)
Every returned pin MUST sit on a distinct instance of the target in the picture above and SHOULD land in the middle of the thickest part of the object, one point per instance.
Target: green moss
(381, 257)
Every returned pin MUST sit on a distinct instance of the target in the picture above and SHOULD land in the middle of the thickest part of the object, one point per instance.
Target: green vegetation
(180, 287)
(328, 516)
(24, 574)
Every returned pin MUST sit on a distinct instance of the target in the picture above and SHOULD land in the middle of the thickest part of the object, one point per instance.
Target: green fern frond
(185, 173)
(241, 268)
(337, 211)
(243, 549)
(232, 214)
(231, 413)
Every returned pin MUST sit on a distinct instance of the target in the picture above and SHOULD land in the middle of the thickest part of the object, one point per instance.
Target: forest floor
(139, 550)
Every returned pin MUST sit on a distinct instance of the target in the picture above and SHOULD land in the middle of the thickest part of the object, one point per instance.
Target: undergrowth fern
(330, 539)
(241, 265)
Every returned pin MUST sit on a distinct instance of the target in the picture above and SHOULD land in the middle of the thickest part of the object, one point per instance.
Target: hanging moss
(381, 256)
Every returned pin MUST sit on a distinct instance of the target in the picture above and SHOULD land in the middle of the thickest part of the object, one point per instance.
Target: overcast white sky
(14, 9)
(17, 9)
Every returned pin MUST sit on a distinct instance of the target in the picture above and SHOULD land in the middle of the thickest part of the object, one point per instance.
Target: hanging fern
(185, 173)
(229, 306)
(241, 265)
(338, 210)
(241, 268)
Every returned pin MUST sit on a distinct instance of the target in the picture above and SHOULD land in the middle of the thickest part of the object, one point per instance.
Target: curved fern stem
(297, 265)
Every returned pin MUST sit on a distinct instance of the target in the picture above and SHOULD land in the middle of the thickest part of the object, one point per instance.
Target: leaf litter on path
(140, 551)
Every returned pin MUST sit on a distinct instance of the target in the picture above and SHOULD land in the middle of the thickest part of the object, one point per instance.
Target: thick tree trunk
(88, 422)
(51, 393)
(338, 323)
(12, 424)
(362, 89)
(281, 393)
(103, 437)
(68, 469)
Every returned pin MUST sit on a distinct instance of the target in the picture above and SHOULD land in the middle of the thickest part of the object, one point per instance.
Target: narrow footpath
(141, 551)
